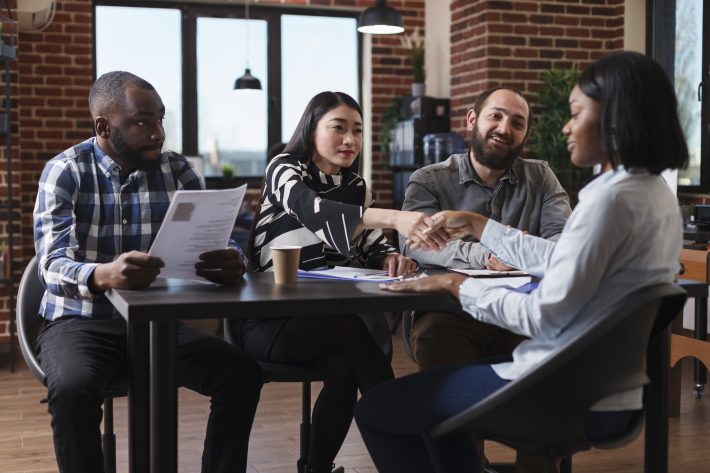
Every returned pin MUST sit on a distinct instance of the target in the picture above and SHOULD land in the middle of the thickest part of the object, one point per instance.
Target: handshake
(432, 233)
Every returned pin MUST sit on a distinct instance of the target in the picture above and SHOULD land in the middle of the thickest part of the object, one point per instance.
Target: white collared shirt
(624, 234)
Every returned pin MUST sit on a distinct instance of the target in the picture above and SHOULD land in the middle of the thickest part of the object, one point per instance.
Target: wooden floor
(26, 442)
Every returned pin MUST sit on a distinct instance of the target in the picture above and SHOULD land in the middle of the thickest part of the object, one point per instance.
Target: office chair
(29, 324)
(544, 411)
(407, 321)
(287, 373)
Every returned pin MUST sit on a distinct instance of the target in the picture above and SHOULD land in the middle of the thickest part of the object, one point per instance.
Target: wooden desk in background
(695, 267)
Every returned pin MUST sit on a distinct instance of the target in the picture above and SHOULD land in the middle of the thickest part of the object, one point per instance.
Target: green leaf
(547, 141)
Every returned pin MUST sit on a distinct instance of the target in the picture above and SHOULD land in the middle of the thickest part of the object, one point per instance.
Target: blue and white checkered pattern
(85, 215)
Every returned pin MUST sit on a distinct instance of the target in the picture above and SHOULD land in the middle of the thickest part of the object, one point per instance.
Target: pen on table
(381, 275)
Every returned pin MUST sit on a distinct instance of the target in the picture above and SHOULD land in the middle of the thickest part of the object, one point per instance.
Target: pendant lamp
(380, 19)
(247, 81)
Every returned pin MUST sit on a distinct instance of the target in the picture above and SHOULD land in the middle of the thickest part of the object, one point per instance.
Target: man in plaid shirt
(99, 207)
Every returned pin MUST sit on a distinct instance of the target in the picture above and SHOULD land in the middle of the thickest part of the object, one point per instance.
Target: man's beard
(131, 155)
(489, 157)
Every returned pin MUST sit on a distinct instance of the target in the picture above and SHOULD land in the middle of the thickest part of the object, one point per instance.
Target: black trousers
(342, 349)
(81, 357)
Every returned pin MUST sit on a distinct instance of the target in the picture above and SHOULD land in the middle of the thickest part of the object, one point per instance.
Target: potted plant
(547, 141)
(390, 117)
(227, 175)
(415, 44)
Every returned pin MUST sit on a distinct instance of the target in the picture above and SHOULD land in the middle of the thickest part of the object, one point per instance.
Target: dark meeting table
(152, 315)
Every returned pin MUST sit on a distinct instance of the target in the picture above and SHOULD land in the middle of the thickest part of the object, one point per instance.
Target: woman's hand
(452, 225)
(399, 265)
(445, 283)
(497, 265)
(459, 224)
(417, 228)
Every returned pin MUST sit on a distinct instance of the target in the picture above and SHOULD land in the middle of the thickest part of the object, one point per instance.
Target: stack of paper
(349, 274)
(489, 273)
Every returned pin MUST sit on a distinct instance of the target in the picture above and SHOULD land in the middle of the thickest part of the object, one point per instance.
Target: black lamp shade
(380, 19)
(247, 81)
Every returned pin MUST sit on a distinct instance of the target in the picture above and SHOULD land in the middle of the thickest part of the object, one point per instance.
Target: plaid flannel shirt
(85, 216)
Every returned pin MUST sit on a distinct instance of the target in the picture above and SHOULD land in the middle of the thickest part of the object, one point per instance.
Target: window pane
(232, 125)
(154, 55)
(688, 74)
(318, 53)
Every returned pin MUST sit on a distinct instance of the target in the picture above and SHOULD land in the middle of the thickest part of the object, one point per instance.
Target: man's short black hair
(483, 96)
(109, 90)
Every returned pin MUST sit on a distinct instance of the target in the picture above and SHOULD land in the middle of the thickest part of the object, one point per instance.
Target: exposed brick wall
(8, 37)
(391, 77)
(50, 88)
(511, 42)
(54, 75)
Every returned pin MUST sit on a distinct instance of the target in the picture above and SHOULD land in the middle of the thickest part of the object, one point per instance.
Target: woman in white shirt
(624, 234)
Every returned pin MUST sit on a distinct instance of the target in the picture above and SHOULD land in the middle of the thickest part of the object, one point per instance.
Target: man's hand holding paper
(193, 238)
(131, 270)
(221, 266)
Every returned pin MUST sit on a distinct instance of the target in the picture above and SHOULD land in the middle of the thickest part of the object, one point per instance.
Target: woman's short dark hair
(638, 111)
(301, 143)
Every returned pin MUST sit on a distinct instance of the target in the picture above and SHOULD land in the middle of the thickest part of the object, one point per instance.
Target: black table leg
(163, 397)
(138, 378)
(656, 441)
(700, 333)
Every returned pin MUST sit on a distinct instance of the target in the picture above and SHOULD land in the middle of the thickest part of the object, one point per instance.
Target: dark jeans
(81, 357)
(392, 416)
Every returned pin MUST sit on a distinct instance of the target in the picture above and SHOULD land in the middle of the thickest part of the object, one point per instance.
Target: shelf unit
(419, 116)
(8, 53)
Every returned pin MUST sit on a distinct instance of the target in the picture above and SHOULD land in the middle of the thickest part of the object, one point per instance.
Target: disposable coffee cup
(285, 259)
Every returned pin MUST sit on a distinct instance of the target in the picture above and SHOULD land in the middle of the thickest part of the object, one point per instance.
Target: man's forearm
(68, 278)
(457, 254)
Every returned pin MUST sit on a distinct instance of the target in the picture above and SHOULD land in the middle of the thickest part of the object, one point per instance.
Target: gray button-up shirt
(528, 197)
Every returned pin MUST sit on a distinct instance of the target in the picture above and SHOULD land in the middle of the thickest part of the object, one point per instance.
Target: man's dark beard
(492, 158)
(132, 156)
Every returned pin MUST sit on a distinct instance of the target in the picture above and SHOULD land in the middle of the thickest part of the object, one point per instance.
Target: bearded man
(493, 180)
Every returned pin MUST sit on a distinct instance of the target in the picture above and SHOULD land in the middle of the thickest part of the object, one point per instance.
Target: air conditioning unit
(35, 15)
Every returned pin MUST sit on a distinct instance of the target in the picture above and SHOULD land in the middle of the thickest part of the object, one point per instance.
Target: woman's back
(625, 234)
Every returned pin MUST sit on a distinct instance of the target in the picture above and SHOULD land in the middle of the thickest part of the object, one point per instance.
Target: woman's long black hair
(302, 142)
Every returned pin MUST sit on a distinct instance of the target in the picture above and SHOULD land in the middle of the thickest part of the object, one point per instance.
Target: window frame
(660, 45)
(272, 15)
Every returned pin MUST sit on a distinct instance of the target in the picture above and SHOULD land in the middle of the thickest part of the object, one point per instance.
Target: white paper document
(488, 273)
(350, 274)
(196, 222)
(514, 282)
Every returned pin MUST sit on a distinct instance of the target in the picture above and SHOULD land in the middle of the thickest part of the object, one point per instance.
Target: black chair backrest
(29, 323)
(407, 325)
(546, 408)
